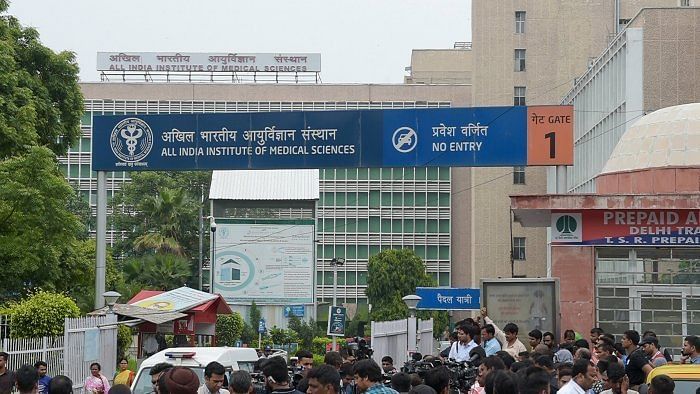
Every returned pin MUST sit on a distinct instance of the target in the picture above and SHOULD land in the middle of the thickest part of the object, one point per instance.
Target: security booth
(186, 314)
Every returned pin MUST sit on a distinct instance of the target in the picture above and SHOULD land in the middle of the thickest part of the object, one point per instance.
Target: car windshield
(143, 381)
(686, 386)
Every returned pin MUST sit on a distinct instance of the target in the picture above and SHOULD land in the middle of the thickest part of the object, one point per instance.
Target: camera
(360, 349)
(462, 374)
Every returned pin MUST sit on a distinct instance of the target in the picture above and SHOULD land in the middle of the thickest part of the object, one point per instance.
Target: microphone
(476, 355)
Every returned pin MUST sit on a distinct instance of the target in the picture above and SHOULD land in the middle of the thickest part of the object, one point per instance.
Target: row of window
(387, 174)
(377, 225)
(352, 278)
(73, 170)
(375, 199)
(362, 252)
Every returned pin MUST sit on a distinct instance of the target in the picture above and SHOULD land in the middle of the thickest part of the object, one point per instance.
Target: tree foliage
(392, 275)
(306, 332)
(250, 328)
(229, 328)
(124, 339)
(41, 314)
(40, 100)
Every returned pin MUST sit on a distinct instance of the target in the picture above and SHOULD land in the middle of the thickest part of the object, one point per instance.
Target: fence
(30, 350)
(397, 337)
(86, 335)
(85, 340)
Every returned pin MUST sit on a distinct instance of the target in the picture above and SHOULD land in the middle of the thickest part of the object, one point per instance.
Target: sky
(360, 41)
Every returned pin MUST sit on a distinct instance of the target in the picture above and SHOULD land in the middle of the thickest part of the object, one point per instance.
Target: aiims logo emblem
(131, 140)
(566, 227)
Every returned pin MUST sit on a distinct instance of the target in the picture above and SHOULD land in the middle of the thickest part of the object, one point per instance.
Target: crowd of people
(599, 365)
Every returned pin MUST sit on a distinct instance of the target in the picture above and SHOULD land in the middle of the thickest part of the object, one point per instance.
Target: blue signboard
(294, 310)
(457, 137)
(336, 321)
(261, 326)
(449, 298)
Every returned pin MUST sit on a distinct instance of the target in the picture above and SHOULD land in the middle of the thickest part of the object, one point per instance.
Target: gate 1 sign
(453, 137)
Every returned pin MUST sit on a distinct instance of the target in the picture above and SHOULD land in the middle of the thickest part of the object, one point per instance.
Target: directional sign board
(294, 310)
(448, 298)
(336, 321)
(261, 326)
(451, 137)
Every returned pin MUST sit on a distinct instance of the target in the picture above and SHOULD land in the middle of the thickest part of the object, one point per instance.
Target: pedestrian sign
(336, 321)
(261, 326)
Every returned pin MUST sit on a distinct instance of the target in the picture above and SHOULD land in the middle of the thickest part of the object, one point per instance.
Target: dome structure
(669, 137)
(658, 154)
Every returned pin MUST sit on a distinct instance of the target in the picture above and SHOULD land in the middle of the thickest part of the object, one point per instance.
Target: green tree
(41, 314)
(40, 100)
(250, 329)
(229, 329)
(393, 274)
(156, 271)
(124, 339)
(306, 332)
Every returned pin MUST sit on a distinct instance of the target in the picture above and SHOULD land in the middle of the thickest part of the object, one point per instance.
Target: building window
(519, 22)
(519, 175)
(519, 95)
(519, 60)
(518, 248)
(685, 3)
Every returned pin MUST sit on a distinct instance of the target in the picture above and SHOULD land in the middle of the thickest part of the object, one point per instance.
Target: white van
(195, 358)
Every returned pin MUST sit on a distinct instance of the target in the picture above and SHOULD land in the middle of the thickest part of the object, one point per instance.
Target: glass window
(319, 277)
(328, 199)
(386, 225)
(397, 199)
(434, 276)
(433, 173)
(420, 225)
(350, 225)
(351, 251)
(519, 248)
(444, 199)
(408, 225)
(351, 278)
(329, 174)
(328, 251)
(444, 252)
(374, 224)
(362, 225)
(444, 279)
(408, 199)
(375, 173)
(374, 199)
(85, 145)
(433, 199)
(519, 95)
(362, 199)
(373, 250)
(420, 174)
(362, 277)
(396, 226)
(420, 200)
(340, 173)
(420, 251)
(363, 173)
(328, 277)
(362, 251)
(432, 252)
(409, 173)
(85, 195)
(386, 174)
(444, 226)
(519, 175)
(86, 119)
(74, 171)
(341, 277)
(397, 174)
(444, 173)
(432, 226)
(519, 22)
(319, 251)
(386, 199)
(64, 169)
(328, 225)
(85, 170)
(340, 199)
(351, 173)
(519, 60)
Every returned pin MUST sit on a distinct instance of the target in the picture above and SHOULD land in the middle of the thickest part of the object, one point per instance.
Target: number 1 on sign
(552, 136)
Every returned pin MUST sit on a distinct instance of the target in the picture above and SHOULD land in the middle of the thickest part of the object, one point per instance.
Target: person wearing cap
(213, 379)
(268, 351)
(178, 380)
(650, 345)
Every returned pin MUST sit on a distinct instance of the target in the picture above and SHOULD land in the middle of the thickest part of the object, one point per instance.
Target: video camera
(462, 374)
(419, 367)
(360, 349)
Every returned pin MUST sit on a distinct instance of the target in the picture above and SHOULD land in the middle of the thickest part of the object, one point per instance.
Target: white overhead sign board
(208, 62)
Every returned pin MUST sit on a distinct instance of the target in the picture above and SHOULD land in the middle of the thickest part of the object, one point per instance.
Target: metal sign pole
(101, 233)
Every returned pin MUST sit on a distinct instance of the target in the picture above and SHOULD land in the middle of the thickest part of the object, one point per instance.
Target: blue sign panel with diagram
(294, 311)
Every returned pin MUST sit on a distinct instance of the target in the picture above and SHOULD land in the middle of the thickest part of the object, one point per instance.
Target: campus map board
(269, 263)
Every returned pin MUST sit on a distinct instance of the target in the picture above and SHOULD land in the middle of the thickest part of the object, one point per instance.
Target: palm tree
(164, 219)
(165, 271)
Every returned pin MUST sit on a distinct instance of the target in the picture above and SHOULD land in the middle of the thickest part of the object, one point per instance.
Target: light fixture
(412, 301)
(111, 298)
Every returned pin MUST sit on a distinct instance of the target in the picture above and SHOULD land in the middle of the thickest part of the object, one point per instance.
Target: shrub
(41, 314)
(229, 329)
(124, 338)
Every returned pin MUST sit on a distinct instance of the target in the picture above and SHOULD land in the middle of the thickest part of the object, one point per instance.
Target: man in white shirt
(213, 379)
(583, 376)
(464, 344)
(508, 337)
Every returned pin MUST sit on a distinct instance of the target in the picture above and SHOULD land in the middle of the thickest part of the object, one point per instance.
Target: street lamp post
(412, 301)
(212, 254)
(111, 298)
(335, 263)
